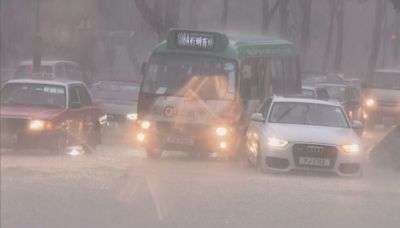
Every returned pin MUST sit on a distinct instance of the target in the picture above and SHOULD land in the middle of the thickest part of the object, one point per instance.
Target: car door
(75, 117)
(90, 114)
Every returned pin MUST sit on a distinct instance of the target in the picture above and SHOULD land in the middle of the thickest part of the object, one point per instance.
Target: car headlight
(40, 125)
(351, 148)
(370, 102)
(145, 124)
(275, 142)
(132, 116)
(221, 131)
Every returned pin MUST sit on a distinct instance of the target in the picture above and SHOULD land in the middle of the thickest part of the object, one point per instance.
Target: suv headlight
(275, 142)
(351, 148)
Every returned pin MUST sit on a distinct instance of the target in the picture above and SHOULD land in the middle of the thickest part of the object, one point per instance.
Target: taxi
(49, 114)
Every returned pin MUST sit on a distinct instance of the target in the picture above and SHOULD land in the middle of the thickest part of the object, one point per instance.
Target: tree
(154, 16)
(224, 19)
(305, 26)
(396, 5)
(268, 14)
(284, 18)
(380, 11)
(328, 47)
(340, 36)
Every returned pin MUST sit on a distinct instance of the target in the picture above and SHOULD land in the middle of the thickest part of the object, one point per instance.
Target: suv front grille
(311, 151)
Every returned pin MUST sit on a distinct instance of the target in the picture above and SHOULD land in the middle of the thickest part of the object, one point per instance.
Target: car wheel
(259, 160)
(60, 144)
(154, 153)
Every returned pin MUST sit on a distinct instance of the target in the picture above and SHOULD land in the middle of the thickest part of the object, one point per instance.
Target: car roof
(389, 70)
(306, 100)
(39, 81)
(309, 87)
(333, 85)
(47, 62)
(118, 82)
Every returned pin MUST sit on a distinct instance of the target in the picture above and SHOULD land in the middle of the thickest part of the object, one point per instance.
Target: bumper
(27, 140)
(288, 159)
(197, 140)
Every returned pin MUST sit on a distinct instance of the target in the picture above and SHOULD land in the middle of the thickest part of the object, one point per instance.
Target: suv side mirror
(75, 105)
(143, 68)
(258, 117)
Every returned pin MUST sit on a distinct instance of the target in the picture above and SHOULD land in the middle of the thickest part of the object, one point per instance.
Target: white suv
(304, 134)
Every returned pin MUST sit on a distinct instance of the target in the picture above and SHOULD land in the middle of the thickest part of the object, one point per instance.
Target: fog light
(145, 124)
(140, 137)
(223, 145)
(221, 131)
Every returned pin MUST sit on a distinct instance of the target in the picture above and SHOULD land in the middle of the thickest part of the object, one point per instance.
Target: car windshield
(308, 114)
(110, 91)
(186, 75)
(42, 95)
(386, 80)
(336, 92)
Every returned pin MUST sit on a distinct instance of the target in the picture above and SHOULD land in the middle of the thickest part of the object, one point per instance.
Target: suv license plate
(318, 162)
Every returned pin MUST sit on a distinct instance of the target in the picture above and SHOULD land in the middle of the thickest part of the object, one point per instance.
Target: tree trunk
(284, 18)
(305, 27)
(268, 14)
(265, 13)
(224, 19)
(396, 49)
(328, 47)
(340, 37)
(380, 11)
(152, 16)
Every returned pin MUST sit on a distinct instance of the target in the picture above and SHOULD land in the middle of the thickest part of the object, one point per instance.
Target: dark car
(118, 99)
(348, 96)
(50, 115)
(315, 92)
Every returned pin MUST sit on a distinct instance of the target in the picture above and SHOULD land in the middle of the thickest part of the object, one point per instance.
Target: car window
(264, 109)
(308, 93)
(74, 96)
(86, 100)
(322, 94)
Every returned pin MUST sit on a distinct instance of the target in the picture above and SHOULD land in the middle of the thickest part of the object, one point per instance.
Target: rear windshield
(115, 91)
(26, 71)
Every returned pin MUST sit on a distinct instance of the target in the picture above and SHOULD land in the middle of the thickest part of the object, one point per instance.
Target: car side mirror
(75, 105)
(358, 127)
(143, 68)
(258, 117)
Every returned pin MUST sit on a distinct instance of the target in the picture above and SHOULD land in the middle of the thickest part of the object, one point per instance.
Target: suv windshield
(49, 96)
(187, 75)
(308, 114)
(386, 80)
(26, 71)
(115, 91)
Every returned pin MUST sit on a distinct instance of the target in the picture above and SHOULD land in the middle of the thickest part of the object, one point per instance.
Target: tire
(59, 145)
(154, 153)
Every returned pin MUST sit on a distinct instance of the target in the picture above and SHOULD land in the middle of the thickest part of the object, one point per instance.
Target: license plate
(318, 162)
(180, 140)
